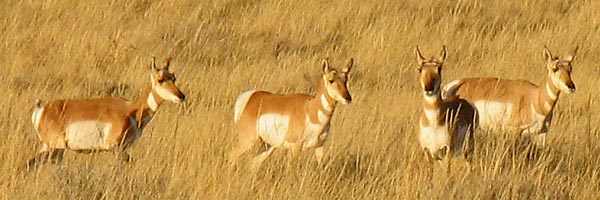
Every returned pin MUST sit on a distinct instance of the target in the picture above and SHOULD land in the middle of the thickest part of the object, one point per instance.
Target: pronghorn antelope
(295, 122)
(110, 123)
(517, 104)
(446, 125)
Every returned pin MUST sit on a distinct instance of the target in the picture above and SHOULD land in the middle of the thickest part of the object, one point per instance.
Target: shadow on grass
(510, 152)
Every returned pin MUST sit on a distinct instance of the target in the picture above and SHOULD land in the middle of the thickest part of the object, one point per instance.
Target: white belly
(434, 138)
(494, 115)
(272, 128)
(88, 135)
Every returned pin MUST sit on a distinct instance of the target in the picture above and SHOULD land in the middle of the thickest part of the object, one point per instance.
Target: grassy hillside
(74, 49)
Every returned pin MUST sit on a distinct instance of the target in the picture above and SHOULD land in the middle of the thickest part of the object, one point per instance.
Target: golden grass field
(75, 49)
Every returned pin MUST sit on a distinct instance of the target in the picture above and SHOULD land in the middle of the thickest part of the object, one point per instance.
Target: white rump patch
(36, 117)
(273, 128)
(240, 104)
(88, 135)
(493, 115)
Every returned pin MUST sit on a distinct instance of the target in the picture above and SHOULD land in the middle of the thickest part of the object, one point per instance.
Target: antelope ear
(348, 66)
(326, 68)
(547, 55)
(442, 57)
(571, 56)
(420, 58)
(167, 64)
(153, 64)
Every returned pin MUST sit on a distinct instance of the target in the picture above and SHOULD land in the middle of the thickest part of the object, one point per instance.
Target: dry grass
(73, 49)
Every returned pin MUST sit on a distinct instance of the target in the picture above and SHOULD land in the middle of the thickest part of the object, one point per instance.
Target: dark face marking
(430, 77)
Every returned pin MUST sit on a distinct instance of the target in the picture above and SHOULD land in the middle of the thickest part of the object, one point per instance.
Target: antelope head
(430, 71)
(163, 83)
(336, 82)
(559, 70)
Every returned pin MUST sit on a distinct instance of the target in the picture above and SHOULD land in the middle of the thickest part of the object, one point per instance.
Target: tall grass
(74, 49)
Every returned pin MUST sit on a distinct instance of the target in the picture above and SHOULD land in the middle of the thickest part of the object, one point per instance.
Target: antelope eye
(554, 69)
(330, 81)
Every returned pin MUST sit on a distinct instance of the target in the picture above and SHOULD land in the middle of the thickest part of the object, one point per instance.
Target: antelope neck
(322, 101)
(145, 106)
(547, 97)
(431, 109)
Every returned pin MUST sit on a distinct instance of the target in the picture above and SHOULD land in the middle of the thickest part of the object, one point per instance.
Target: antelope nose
(429, 89)
(181, 96)
(348, 99)
(571, 87)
